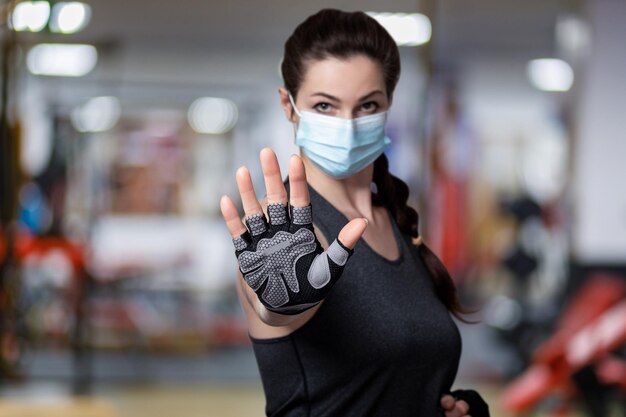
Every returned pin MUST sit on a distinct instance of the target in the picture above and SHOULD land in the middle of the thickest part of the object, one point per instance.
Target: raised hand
(283, 261)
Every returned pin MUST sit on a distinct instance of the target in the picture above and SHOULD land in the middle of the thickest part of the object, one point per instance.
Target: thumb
(352, 232)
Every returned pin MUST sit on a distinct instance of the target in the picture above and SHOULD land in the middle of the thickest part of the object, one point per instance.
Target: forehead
(343, 78)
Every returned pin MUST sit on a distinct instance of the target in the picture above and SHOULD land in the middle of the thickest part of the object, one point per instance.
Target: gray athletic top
(381, 344)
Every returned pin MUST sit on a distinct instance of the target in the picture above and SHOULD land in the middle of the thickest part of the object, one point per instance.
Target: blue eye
(370, 106)
(323, 107)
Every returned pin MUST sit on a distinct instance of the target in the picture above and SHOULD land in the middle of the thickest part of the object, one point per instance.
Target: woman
(379, 341)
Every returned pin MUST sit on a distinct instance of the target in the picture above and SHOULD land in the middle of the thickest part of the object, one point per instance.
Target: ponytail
(393, 193)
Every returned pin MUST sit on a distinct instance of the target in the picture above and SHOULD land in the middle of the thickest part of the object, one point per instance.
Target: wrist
(277, 319)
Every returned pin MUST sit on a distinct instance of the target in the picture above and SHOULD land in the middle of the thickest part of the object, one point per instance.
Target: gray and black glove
(284, 263)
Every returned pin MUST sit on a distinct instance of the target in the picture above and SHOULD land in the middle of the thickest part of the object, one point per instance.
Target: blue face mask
(341, 147)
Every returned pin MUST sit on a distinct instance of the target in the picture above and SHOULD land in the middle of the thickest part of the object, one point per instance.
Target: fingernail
(367, 222)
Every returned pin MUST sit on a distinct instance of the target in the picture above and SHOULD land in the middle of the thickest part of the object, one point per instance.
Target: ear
(285, 103)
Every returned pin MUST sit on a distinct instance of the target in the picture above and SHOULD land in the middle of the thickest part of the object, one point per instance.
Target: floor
(163, 400)
(166, 400)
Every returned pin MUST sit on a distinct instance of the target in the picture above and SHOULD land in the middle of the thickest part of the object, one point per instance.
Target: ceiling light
(61, 60)
(212, 115)
(98, 114)
(573, 35)
(549, 74)
(407, 29)
(30, 16)
(69, 17)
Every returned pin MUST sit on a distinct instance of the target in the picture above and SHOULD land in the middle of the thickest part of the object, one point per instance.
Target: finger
(231, 217)
(461, 409)
(299, 190)
(453, 413)
(352, 232)
(276, 193)
(250, 203)
(320, 272)
(447, 402)
(255, 219)
(274, 186)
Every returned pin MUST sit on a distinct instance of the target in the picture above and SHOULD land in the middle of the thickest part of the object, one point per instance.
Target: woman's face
(346, 88)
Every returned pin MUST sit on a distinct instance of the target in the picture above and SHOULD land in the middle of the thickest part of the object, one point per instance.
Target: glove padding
(284, 263)
(477, 406)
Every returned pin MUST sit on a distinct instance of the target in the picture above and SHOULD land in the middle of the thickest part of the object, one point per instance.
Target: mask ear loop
(293, 105)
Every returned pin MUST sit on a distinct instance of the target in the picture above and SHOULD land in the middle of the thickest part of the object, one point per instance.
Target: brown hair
(339, 34)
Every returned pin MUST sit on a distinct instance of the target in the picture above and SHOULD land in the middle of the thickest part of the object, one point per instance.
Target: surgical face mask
(341, 147)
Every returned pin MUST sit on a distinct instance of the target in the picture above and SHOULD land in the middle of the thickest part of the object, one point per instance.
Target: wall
(599, 230)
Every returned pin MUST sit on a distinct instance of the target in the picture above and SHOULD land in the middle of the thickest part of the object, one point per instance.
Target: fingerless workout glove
(284, 263)
(477, 406)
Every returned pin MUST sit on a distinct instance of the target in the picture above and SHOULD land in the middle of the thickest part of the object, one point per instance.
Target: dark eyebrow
(373, 93)
(330, 97)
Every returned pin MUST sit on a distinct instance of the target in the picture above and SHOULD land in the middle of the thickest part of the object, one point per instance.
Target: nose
(346, 114)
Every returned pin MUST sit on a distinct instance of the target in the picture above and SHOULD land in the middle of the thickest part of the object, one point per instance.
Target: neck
(349, 195)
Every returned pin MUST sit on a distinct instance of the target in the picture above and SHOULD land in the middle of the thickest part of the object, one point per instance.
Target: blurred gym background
(122, 123)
